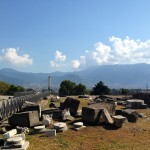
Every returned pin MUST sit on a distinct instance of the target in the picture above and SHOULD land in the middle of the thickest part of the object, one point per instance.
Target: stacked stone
(14, 141)
(78, 126)
(60, 127)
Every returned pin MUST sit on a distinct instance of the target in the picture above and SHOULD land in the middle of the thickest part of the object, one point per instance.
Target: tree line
(8, 89)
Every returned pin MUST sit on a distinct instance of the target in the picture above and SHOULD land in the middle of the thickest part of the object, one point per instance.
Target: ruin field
(132, 136)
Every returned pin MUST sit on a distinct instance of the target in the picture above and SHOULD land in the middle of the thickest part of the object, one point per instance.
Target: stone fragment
(24, 146)
(60, 126)
(14, 140)
(9, 134)
(105, 117)
(39, 127)
(65, 114)
(91, 113)
(118, 120)
(130, 114)
(78, 126)
(79, 113)
(47, 120)
(72, 104)
(22, 130)
(24, 119)
(50, 132)
(136, 104)
(29, 106)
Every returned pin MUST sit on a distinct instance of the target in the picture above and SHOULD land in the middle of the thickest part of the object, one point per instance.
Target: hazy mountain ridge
(115, 76)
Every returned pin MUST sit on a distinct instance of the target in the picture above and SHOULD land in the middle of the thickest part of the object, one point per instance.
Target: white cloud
(11, 56)
(75, 64)
(59, 56)
(120, 51)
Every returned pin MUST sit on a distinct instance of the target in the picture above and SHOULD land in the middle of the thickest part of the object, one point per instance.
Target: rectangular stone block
(24, 119)
(91, 113)
(33, 108)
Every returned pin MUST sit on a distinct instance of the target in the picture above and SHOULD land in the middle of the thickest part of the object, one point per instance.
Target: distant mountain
(115, 76)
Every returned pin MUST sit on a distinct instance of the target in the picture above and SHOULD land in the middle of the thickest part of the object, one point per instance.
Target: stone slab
(9, 134)
(24, 147)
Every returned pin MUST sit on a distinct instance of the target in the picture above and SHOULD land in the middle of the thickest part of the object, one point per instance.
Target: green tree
(124, 91)
(4, 87)
(67, 88)
(13, 88)
(100, 89)
(80, 89)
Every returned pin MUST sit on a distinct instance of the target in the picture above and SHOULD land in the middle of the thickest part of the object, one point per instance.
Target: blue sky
(71, 35)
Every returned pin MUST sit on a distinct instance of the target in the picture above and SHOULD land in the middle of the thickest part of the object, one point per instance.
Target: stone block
(50, 132)
(72, 104)
(130, 114)
(24, 146)
(32, 108)
(24, 119)
(105, 117)
(91, 113)
(118, 120)
(9, 134)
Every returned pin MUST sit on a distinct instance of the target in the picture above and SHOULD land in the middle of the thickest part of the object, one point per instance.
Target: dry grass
(132, 136)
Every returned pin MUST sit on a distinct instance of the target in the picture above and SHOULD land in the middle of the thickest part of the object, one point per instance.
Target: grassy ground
(132, 136)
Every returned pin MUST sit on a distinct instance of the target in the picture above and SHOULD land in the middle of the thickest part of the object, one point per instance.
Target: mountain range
(114, 76)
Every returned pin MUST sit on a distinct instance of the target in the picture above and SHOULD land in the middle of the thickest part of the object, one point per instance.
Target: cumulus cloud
(120, 51)
(11, 55)
(75, 64)
(59, 58)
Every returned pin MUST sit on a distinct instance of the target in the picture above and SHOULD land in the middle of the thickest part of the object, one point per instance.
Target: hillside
(115, 76)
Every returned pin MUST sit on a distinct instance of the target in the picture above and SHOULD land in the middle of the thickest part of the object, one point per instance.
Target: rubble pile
(13, 141)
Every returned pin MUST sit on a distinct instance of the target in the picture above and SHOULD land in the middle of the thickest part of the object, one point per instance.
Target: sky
(72, 35)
